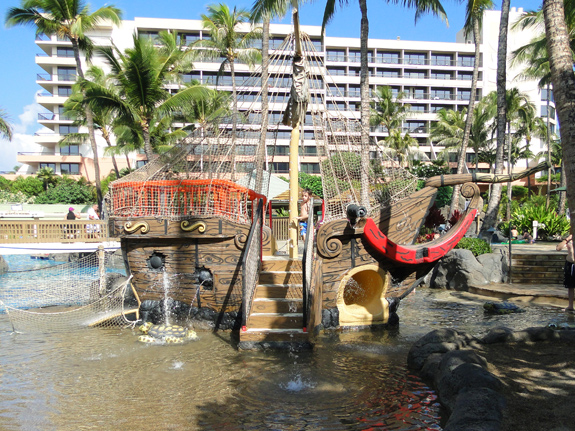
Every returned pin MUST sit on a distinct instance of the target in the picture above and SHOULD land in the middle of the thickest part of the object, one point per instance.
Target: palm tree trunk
(548, 140)
(234, 118)
(147, 144)
(529, 193)
(495, 195)
(561, 65)
(562, 195)
(509, 170)
(89, 125)
(469, 120)
(365, 110)
(261, 156)
(106, 136)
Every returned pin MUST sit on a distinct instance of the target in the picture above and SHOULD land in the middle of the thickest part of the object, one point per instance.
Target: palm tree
(421, 7)
(5, 128)
(481, 127)
(69, 19)
(140, 101)
(75, 108)
(404, 147)
(473, 21)
(387, 110)
(495, 195)
(47, 176)
(228, 43)
(528, 126)
(448, 130)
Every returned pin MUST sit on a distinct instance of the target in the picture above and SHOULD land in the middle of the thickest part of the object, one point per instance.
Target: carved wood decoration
(187, 226)
(130, 227)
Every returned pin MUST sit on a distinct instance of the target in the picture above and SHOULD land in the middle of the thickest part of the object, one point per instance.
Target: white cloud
(22, 137)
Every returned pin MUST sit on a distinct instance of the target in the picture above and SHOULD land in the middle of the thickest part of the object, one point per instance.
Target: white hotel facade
(432, 75)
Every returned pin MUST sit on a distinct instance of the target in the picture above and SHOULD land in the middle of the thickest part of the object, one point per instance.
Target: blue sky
(18, 76)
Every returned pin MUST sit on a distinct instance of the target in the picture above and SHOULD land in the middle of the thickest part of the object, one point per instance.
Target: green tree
(5, 127)
(312, 182)
(228, 43)
(140, 101)
(75, 108)
(69, 19)
(47, 176)
(30, 186)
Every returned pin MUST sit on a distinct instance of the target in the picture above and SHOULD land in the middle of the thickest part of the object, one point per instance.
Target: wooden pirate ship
(197, 240)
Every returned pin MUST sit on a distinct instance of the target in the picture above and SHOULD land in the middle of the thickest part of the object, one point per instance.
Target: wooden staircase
(538, 268)
(276, 316)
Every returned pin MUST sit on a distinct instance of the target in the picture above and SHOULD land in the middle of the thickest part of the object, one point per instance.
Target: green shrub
(550, 223)
(475, 245)
(30, 186)
(67, 193)
(7, 197)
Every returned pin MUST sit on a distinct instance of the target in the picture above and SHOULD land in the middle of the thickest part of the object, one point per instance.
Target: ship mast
(293, 152)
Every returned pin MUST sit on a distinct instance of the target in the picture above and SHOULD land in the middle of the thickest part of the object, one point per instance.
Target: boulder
(438, 341)
(497, 335)
(477, 409)
(495, 265)
(457, 270)
(465, 377)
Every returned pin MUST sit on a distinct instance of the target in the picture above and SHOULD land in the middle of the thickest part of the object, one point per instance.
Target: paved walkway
(543, 294)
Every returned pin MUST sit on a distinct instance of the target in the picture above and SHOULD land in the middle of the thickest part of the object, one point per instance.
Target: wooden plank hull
(208, 243)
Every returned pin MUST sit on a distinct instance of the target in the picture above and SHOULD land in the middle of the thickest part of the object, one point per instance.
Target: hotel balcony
(31, 158)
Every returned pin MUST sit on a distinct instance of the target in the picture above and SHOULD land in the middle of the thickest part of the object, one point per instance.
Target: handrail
(49, 231)
(250, 263)
(307, 265)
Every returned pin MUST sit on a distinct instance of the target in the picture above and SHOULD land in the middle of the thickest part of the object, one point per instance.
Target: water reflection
(104, 379)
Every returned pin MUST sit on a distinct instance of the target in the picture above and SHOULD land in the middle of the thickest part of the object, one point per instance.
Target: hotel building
(432, 75)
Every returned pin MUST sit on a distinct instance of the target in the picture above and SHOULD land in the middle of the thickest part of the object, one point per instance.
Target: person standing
(71, 230)
(93, 230)
(71, 214)
(569, 270)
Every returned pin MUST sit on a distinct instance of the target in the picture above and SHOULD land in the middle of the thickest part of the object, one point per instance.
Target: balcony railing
(47, 231)
(53, 117)
(460, 62)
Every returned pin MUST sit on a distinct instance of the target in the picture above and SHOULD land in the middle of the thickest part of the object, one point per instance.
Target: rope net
(91, 291)
(238, 139)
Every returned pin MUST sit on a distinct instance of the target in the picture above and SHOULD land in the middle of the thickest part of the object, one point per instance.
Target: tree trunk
(495, 195)
(548, 140)
(89, 125)
(469, 120)
(561, 204)
(147, 144)
(561, 65)
(234, 118)
(261, 156)
(509, 170)
(365, 109)
(106, 136)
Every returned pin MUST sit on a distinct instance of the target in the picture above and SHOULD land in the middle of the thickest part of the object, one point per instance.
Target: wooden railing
(46, 231)
(280, 228)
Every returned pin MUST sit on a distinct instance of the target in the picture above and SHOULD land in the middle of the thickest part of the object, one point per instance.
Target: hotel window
(191, 76)
(466, 60)
(66, 73)
(280, 167)
(310, 151)
(47, 165)
(438, 74)
(70, 168)
(278, 150)
(414, 93)
(387, 57)
(417, 108)
(65, 52)
(354, 91)
(70, 150)
(470, 157)
(140, 163)
(310, 168)
(440, 94)
(336, 71)
(544, 93)
(188, 38)
(544, 111)
(336, 55)
(276, 42)
(437, 108)
(465, 76)
(413, 58)
(415, 74)
(463, 94)
(354, 56)
(64, 90)
(317, 44)
(441, 59)
(152, 35)
(415, 126)
(334, 91)
(66, 129)
(61, 114)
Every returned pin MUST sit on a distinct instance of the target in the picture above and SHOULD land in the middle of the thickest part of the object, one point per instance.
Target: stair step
(276, 320)
(274, 264)
(277, 335)
(280, 277)
(292, 291)
(277, 305)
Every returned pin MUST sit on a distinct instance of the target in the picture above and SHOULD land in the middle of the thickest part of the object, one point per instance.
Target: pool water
(104, 379)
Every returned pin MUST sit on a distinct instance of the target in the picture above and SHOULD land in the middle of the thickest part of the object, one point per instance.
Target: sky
(17, 48)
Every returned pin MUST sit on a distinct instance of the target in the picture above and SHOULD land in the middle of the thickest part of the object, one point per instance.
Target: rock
(497, 335)
(477, 409)
(466, 376)
(534, 334)
(452, 360)
(495, 265)
(430, 367)
(438, 341)
(457, 270)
